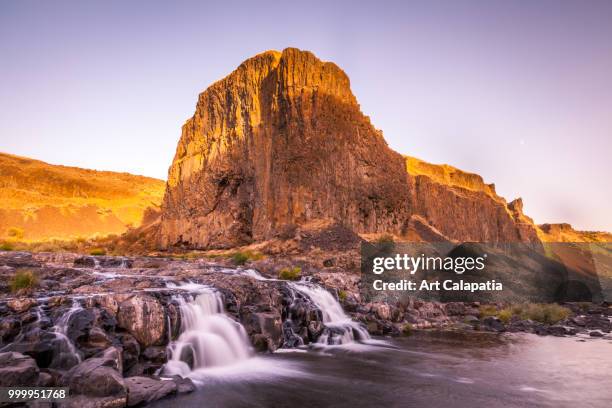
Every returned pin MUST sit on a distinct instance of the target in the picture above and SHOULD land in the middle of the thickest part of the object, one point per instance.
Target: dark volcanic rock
(145, 389)
(17, 370)
(144, 317)
(491, 323)
(97, 377)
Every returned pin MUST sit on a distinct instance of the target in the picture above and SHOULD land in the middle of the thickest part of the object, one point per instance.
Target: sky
(519, 92)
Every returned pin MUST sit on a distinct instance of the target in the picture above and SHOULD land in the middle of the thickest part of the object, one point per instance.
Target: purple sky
(517, 91)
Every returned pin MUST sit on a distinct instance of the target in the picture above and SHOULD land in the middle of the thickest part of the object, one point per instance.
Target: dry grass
(23, 279)
(548, 313)
(242, 257)
(292, 274)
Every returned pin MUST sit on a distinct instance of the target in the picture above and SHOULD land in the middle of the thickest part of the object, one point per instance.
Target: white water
(347, 331)
(333, 314)
(61, 331)
(211, 338)
(96, 262)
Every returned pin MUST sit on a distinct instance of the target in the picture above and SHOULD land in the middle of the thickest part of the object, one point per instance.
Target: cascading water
(208, 337)
(339, 328)
(96, 262)
(61, 332)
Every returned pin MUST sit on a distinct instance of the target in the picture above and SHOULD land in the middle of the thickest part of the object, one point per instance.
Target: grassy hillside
(41, 201)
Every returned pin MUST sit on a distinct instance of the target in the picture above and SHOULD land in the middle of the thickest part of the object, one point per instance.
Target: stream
(426, 369)
(326, 357)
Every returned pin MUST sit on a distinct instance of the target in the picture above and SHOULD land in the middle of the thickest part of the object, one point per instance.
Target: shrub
(505, 315)
(342, 295)
(487, 310)
(6, 246)
(23, 279)
(242, 257)
(385, 239)
(541, 312)
(15, 232)
(407, 330)
(294, 273)
(97, 251)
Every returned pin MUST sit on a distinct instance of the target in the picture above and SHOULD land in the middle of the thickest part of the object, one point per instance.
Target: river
(427, 369)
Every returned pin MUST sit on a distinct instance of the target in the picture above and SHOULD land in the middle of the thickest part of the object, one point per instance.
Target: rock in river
(143, 316)
(17, 370)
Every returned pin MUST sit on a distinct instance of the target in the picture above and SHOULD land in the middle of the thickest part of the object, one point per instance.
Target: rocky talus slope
(281, 142)
(40, 200)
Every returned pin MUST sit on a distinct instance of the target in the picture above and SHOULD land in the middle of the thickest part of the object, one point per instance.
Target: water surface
(424, 370)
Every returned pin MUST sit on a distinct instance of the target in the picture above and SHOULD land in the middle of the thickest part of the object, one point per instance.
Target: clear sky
(517, 91)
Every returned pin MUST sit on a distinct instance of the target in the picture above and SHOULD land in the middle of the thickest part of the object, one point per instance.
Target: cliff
(566, 233)
(281, 141)
(39, 200)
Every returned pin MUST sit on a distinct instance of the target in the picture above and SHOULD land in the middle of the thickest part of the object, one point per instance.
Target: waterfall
(61, 332)
(96, 262)
(339, 328)
(208, 337)
(124, 263)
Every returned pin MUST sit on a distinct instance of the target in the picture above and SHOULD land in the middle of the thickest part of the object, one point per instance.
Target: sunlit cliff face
(282, 141)
(41, 201)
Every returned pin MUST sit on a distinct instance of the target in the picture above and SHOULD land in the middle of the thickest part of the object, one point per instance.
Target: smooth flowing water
(340, 328)
(68, 350)
(208, 337)
(428, 370)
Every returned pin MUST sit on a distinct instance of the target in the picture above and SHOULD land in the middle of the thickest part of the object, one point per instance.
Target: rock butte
(281, 141)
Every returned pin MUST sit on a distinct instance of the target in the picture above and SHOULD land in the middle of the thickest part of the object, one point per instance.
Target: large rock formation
(462, 207)
(281, 141)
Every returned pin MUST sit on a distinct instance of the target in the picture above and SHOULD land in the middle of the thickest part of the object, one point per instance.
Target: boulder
(97, 341)
(558, 330)
(96, 377)
(21, 305)
(579, 320)
(17, 370)
(268, 325)
(130, 350)
(9, 328)
(144, 318)
(455, 308)
(183, 385)
(492, 323)
(472, 321)
(79, 324)
(85, 262)
(18, 259)
(156, 354)
(145, 389)
(45, 380)
(43, 346)
(598, 322)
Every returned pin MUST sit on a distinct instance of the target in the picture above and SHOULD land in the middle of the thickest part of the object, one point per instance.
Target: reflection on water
(425, 370)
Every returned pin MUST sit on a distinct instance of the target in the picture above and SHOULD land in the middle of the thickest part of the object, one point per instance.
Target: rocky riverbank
(102, 325)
